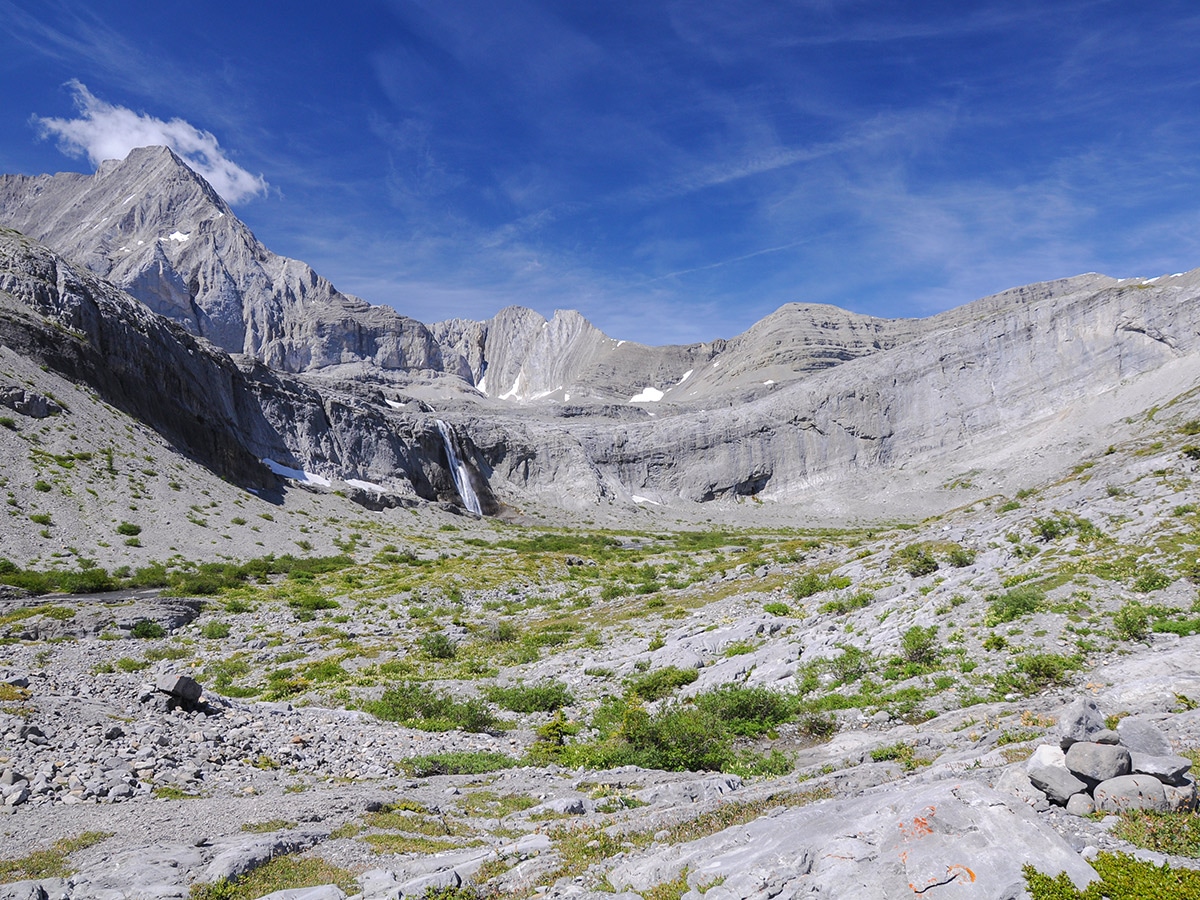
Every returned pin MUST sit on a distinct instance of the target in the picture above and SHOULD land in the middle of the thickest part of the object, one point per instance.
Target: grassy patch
(457, 762)
(52, 863)
(1122, 878)
(281, 873)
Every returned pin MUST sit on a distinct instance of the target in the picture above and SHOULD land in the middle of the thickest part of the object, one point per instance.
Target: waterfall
(459, 471)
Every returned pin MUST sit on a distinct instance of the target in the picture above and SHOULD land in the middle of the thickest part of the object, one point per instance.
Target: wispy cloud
(104, 131)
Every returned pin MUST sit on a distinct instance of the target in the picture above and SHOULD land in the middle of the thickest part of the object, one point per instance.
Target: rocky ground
(928, 665)
(922, 666)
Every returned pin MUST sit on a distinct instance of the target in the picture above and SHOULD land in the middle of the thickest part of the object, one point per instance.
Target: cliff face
(812, 405)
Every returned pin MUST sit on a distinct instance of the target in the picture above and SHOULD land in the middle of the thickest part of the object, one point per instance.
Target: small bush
(747, 711)
(42, 486)
(961, 557)
(919, 644)
(811, 583)
(457, 762)
(417, 706)
(1176, 833)
(849, 665)
(438, 646)
(1151, 580)
(1132, 622)
(777, 608)
(661, 682)
(129, 529)
(1020, 601)
(146, 629)
(918, 561)
(545, 696)
(215, 630)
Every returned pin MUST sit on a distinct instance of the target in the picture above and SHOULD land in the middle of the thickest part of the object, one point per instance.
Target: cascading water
(459, 471)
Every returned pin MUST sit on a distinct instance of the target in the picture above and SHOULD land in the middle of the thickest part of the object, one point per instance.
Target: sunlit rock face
(815, 408)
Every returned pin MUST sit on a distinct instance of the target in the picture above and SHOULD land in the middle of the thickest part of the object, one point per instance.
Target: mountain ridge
(811, 404)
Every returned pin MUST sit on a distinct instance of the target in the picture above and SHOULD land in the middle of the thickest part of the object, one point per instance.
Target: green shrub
(128, 528)
(8, 422)
(438, 645)
(1151, 580)
(1121, 878)
(1032, 672)
(41, 519)
(42, 486)
(811, 583)
(145, 629)
(1132, 622)
(844, 604)
(215, 630)
(418, 706)
(919, 644)
(747, 711)
(1020, 601)
(457, 762)
(659, 683)
(917, 560)
(849, 665)
(960, 557)
(545, 696)
(777, 608)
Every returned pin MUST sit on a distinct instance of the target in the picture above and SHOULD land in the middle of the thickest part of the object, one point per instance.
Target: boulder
(1057, 783)
(1081, 805)
(1141, 735)
(1131, 792)
(1167, 769)
(1182, 797)
(1098, 762)
(182, 686)
(1081, 721)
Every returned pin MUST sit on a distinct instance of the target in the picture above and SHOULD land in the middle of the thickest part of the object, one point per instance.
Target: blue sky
(674, 170)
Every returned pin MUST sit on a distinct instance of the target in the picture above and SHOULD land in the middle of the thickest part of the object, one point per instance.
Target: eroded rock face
(887, 844)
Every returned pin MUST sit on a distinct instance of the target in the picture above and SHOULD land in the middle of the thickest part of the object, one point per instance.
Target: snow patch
(513, 391)
(127, 199)
(769, 381)
(295, 474)
(178, 236)
(566, 398)
(482, 386)
(637, 499)
(365, 485)
(647, 395)
(686, 376)
(394, 404)
(619, 343)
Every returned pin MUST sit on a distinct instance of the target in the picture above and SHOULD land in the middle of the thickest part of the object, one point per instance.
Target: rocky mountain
(815, 408)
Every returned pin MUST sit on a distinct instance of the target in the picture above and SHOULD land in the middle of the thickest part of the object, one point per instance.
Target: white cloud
(104, 131)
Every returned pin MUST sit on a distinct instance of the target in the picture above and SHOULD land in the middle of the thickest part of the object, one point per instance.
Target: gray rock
(1080, 721)
(1097, 762)
(1167, 769)
(321, 892)
(1081, 805)
(1130, 792)
(1141, 735)
(182, 686)
(1016, 782)
(1181, 797)
(240, 855)
(1056, 782)
(885, 844)
(23, 890)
